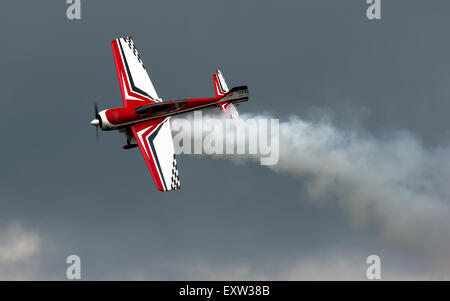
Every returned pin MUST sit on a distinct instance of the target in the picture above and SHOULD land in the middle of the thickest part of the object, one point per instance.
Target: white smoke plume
(395, 183)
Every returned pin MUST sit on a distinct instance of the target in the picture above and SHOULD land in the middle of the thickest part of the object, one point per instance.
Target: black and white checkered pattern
(130, 43)
(175, 180)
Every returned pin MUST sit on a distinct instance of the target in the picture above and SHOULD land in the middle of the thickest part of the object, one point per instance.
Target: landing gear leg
(129, 135)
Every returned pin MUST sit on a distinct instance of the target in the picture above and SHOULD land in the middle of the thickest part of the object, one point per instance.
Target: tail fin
(220, 86)
(227, 97)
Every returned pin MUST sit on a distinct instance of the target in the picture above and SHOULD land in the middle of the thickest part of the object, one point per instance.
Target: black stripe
(133, 87)
(220, 84)
(208, 106)
(155, 155)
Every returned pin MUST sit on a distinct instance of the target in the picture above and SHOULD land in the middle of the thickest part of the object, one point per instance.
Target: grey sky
(62, 193)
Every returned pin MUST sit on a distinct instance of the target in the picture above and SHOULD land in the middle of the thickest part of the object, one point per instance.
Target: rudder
(220, 86)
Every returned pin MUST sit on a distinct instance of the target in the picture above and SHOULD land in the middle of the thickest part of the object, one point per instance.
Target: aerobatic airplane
(145, 117)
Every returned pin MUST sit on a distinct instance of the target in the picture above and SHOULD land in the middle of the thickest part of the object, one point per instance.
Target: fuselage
(137, 111)
(117, 118)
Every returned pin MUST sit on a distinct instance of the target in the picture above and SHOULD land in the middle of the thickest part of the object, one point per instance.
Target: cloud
(343, 266)
(327, 265)
(19, 253)
(202, 270)
(18, 245)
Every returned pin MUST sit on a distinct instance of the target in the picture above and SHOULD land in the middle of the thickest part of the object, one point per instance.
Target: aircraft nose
(95, 122)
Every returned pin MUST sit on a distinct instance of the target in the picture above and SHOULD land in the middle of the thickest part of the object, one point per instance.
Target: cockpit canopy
(159, 108)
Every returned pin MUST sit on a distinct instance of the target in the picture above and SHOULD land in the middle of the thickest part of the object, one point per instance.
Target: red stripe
(145, 149)
(122, 75)
(216, 86)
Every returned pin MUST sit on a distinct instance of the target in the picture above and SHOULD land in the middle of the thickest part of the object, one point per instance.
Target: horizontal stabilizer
(237, 94)
(229, 109)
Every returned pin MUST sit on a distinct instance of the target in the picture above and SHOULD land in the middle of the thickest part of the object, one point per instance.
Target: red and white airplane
(145, 117)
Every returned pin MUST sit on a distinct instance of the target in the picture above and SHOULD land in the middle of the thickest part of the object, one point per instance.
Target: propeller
(96, 121)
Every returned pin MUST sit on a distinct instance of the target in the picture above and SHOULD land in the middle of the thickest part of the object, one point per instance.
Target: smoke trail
(395, 183)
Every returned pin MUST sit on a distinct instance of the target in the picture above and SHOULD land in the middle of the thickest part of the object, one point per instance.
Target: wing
(135, 84)
(155, 141)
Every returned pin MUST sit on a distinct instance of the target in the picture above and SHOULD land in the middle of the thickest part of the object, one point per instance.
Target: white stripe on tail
(220, 86)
